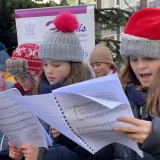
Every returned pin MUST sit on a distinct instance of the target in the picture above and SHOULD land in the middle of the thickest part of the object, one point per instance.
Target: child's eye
(55, 64)
(92, 65)
(133, 59)
(147, 58)
(98, 64)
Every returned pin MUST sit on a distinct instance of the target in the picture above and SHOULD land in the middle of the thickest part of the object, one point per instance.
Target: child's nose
(49, 70)
(142, 64)
(95, 67)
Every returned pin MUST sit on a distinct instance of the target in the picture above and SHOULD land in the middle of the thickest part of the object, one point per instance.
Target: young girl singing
(141, 81)
(62, 58)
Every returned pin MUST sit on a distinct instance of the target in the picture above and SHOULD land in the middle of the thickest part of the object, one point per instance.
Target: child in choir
(140, 78)
(62, 58)
(25, 66)
(141, 81)
(101, 61)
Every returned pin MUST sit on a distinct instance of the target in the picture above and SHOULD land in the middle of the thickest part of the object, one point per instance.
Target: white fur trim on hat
(141, 47)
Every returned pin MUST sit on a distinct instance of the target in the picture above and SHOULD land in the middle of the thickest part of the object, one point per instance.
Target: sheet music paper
(20, 125)
(85, 112)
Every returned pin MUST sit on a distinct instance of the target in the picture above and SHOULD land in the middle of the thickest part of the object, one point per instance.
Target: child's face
(101, 69)
(25, 81)
(56, 71)
(145, 69)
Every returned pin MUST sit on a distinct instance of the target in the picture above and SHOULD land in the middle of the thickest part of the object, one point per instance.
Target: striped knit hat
(24, 61)
(62, 44)
(141, 36)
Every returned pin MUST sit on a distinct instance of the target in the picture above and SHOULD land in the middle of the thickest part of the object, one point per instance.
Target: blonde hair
(128, 77)
(79, 72)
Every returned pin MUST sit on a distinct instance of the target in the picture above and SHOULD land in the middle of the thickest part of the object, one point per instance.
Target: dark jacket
(61, 152)
(4, 154)
(100, 155)
(151, 146)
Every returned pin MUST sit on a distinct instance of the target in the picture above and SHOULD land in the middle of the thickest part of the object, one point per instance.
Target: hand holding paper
(85, 112)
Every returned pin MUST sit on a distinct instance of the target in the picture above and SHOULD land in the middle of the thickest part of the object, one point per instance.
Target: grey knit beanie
(3, 57)
(62, 44)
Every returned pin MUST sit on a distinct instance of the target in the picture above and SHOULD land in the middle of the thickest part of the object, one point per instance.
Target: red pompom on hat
(24, 61)
(62, 44)
(141, 35)
(66, 22)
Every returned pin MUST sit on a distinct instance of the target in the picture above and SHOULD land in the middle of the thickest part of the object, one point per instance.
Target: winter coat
(4, 154)
(151, 146)
(61, 152)
(105, 153)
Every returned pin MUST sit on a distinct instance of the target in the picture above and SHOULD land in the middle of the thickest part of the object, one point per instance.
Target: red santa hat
(141, 35)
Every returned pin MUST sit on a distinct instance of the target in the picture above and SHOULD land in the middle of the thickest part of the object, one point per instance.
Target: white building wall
(118, 3)
(153, 3)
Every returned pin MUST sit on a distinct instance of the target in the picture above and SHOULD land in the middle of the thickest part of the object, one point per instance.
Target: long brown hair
(153, 97)
(79, 72)
(128, 77)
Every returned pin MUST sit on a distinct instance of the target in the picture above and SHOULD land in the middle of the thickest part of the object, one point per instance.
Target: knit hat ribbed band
(62, 44)
(141, 36)
(3, 57)
(101, 54)
(24, 61)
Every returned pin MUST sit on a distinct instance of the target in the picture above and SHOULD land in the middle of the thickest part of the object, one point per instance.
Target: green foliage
(8, 28)
(114, 46)
(111, 18)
